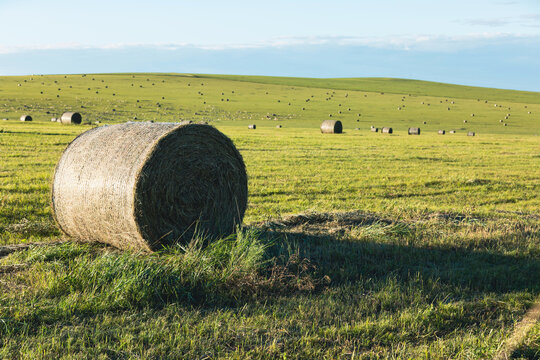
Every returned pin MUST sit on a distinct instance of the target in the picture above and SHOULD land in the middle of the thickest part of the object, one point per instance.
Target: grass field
(409, 247)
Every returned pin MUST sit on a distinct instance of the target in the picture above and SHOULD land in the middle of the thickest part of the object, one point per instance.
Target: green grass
(436, 257)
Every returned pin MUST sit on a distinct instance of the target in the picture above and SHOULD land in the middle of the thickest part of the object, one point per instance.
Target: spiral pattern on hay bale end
(71, 118)
(331, 127)
(143, 186)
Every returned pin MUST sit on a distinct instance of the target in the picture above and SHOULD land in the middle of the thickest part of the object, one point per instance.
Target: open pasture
(411, 247)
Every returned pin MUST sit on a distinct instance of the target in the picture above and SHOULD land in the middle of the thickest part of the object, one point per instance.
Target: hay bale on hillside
(26, 118)
(331, 127)
(414, 131)
(54, 119)
(279, 126)
(145, 185)
(71, 118)
(387, 130)
(471, 133)
(441, 132)
(452, 131)
(374, 129)
(252, 126)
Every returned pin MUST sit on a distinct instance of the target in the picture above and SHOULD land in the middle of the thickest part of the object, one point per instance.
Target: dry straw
(331, 127)
(71, 118)
(145, 185)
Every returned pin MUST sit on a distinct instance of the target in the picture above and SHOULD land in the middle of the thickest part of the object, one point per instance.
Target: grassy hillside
(162, 97)
(393, 86)
(424, 247)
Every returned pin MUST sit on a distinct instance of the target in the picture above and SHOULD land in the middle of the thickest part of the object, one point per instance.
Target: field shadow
(345, 260)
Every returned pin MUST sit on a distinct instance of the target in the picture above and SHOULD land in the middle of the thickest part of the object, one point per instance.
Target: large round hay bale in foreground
(145, 185)
(26, 118)
(71, 118)
(387, 130)
(331, 127)
(414, 131)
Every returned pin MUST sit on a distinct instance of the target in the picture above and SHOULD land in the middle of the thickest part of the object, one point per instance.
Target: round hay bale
(71, 118)
(452, 131)
(145, 185)
(279, 126)
(331, 127)
(252, 126)
(441, 132)
(374, 129)
(26, 118)
(387, 130)
(54, 119)
(471, 133)
(414, 131)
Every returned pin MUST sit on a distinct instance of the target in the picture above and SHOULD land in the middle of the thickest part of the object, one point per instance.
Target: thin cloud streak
(411, 43)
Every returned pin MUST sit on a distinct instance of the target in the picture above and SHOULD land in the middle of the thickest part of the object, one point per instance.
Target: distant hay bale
(331, 127)
(464, 121)
(279, 126)
(143, 186)
(425, 122)
(252, 126)
(387, 130)
(374, 129)
(441, 132)
(471, 133)
(54, 119)
(26, 118)
(452, 131)
(71, 118)
(414, 131)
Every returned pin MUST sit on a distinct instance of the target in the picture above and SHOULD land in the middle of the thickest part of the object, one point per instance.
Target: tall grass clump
(89, 278)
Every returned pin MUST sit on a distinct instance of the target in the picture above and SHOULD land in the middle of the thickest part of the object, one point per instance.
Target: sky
(493, 43)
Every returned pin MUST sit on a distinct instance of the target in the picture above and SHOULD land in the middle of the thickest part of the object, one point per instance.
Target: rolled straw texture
(145, 185)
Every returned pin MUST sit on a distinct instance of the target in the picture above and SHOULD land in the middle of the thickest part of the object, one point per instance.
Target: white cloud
(421, 42)
(526, 20)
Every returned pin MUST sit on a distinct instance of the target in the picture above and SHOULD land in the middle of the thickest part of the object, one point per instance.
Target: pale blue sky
(418, 26)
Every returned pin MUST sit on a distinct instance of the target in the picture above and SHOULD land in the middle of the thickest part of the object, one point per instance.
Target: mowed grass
(432, 251)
